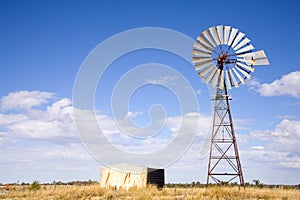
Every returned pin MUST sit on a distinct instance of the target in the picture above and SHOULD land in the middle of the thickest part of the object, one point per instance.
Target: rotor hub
(223, 59)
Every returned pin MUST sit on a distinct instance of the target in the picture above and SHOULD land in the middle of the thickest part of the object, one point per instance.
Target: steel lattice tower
(224, 162)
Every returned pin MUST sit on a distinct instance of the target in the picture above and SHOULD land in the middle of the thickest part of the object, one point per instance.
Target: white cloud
(286, 134)
(287, 128)
(46, 162)
(168, 79)
(281, 145)
(131, 114)
(257, 147)
(107, 125)
(55, 122)
(294, 163)
(60, 109)
(128, 138)
(24, 100)
(242, 124)
(38, 139)
(286, 117)
(261, 134)
(191, 120)
(6, 119)
(287, 85)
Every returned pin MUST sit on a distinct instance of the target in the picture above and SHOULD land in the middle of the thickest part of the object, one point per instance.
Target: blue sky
(43, 44)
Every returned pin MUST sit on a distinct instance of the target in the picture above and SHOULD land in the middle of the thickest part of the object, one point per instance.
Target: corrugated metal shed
(127, 175)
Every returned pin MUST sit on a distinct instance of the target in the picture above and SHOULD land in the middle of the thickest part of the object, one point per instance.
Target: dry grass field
(95, 192)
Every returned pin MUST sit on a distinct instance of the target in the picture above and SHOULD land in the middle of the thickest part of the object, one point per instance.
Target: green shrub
(35, 186)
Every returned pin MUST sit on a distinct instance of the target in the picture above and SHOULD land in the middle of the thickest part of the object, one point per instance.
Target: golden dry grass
(94, 192)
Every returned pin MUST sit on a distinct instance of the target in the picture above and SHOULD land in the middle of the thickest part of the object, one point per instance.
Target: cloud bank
(38, 135)
(287, 85)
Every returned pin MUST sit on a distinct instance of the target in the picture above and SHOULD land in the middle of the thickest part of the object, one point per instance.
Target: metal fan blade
(216, 78)
(205, 62)
(228, 83)
(214, 34)
(260, 54)
(237, 39)
(263, 61)
(248, 62)
(221, 82)
(233, 79)
(209, 38)
(210, 75)
(247, 48)
(202, 40)
(241, 44)
(197, 67)
(198, 52)
(256, 58)
(220, 33)
(202, 47)
(232, 36)
(205, 71)
(239, 76)
(254, 55)
(201, 59)
(245, 66)
(246, 74)
(200, 66)
(226, 34)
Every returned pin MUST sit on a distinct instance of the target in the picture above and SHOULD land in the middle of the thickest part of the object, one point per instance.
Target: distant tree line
(255, 183)
(89, 182)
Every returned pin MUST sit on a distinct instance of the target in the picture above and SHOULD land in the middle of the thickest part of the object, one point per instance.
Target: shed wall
(113, 177)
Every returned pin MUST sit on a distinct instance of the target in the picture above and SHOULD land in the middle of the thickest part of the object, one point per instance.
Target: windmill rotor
(224, 57)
